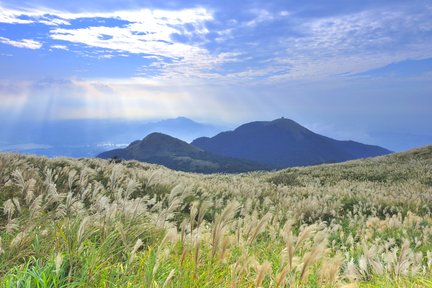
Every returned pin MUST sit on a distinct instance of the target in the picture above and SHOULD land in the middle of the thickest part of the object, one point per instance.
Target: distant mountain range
(176, 154)
(284, 143)
(253, 146)
(89, 137)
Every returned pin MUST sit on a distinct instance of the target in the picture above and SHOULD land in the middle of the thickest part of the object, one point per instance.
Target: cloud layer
(276, 45)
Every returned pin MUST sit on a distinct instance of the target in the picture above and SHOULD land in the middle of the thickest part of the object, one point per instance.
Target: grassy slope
(86, 222)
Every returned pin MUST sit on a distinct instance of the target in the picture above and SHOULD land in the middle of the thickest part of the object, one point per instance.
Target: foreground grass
(89, 223)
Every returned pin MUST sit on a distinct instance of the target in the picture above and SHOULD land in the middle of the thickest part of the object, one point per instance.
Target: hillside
(158, 148)
(389, 169)
(84, 223)
(284, 143)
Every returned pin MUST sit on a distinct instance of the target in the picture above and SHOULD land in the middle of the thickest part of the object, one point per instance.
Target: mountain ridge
(258, 145)
(159, 148)
(284, 143)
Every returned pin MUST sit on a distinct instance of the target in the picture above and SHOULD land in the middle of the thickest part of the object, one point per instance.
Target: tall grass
(91, 223)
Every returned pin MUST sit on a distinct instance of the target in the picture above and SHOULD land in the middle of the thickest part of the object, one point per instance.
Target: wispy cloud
(60, 47)
(11, 16)
(261, 16)
(356, 42)
(30, 16)
(24, 43)
(191, 67)
(128, 40)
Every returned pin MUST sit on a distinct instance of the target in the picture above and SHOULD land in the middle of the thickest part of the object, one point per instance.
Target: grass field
(92, 223)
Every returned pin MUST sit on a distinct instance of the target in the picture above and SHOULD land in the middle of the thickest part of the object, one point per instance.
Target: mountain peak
(283, 143)
(157, 136)
(274, 127)
(286, 124)
(180, 120)
(157, 143)
(283, 120)
(183, 118)
(154, 138)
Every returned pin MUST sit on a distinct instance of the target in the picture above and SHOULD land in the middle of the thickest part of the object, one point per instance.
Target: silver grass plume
(30, 191)
(36, 206)
(81, 231)
(71, 179)
(221, 221)
(58, 263)
(8, 208)
(169, 278)
(19, 180)
(261, 271)
(259, 228)
(12, 225)
(131, 187)
(19, 238)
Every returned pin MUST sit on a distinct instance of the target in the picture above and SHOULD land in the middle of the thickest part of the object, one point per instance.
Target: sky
(359, 70)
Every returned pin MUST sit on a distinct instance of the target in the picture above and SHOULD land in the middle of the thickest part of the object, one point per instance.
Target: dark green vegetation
(173, 153)
(95, 223)
(284, 143)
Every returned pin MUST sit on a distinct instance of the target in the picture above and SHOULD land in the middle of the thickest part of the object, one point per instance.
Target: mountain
(176, 154)
(284, 143)
(183, 128)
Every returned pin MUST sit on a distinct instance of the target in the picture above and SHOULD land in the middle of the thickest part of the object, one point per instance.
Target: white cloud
(12, 17)
(127, 40)
(150, 32)
(56, 17)
(60, 47)
(53, 22)
(24, 43)
(144, 25)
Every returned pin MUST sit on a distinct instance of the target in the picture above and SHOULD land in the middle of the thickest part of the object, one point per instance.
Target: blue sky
(358, 70)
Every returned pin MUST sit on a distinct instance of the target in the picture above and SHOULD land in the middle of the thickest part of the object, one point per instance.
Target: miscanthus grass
(92, 223)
